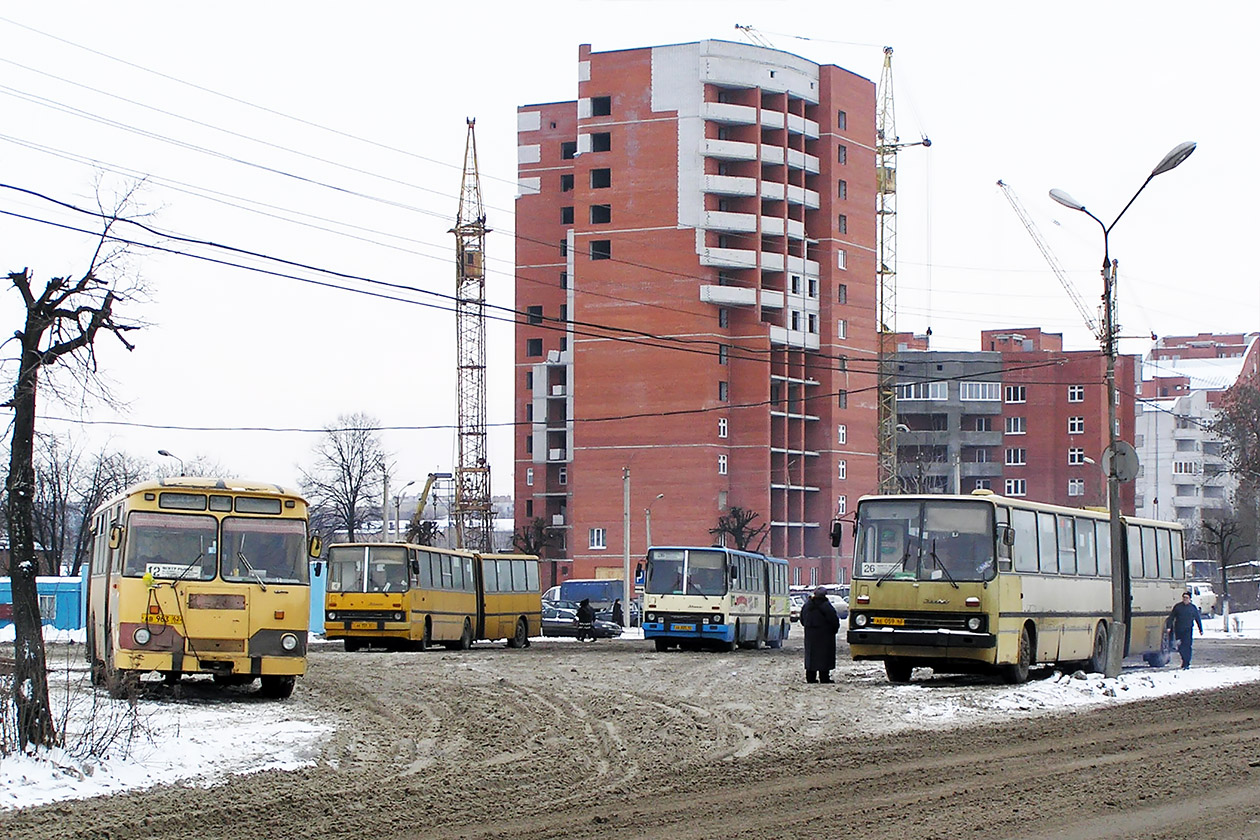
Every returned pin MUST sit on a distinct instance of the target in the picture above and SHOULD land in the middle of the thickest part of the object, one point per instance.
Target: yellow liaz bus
(714, 597)
(401, 596)
(987, 583)
(200, 575)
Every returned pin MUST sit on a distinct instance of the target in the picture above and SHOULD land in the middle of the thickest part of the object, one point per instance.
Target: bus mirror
(115, 536)
(415, 566)
(837, 532)
(734, 573)
(1008, 535)
(316, 546)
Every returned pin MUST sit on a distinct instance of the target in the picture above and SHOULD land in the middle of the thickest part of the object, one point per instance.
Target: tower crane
(1044, 247)
(753, 35)
(887, 146)
(474, 511)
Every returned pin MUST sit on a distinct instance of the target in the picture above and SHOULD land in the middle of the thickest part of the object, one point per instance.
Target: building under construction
(696, 272)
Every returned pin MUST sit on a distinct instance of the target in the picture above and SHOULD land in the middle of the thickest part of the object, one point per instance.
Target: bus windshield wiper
(250, 568)
(188, 568)
(936, 561)
(899, 565)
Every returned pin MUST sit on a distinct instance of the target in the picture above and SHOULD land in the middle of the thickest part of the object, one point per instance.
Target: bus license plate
(690, 627)
(891, 622)
(363, 625)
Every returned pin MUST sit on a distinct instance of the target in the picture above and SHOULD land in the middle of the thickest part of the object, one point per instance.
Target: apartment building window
(566, 215)
(842, 434)
(568, 149)
(842, 154)
(564, 279)
(1185, 468)
(601, 106)
(812, 283)
(983, 484)
(1076, 487)
(723, 427)
(842, 469)
(721, 465)
(981, 456)
(842, 328)
(1016, 487)
(724, 355)
(601, 179)
(796, 319)
(1076, 393)
(562, 475)
(529, 507)
(813, 323)
(1016, 425)
(533, 347)
(842, 505)
(601, 249)
(724, 318)
(1016, 394)
(842, 121)
(842, 293)
(535, 314)
(1016, 456)
(529, 380)
(979, 391)
(529, 476)
(724, 391)
(564, 247)
(1140, 440)
(842, 224)
(566, 183)
(923, 390)
(843, 398)
(842, 362)
(529, 412)
(599, 538)
(529, 444)
(984, 424)
(1076, 455)
(601, 141)
(1076, 426)
(601, 214)
(843, 191)
(564, 312)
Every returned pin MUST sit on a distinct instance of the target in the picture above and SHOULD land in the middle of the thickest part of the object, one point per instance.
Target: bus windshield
(171, 545)
(917, 539)
(678, 571)
(264, 550)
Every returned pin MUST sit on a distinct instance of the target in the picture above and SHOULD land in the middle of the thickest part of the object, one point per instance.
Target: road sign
(1126, 461)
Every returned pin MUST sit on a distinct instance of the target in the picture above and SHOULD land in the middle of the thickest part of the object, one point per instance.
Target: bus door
(479, 588)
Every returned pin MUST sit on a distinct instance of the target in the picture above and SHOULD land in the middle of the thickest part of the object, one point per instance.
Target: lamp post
(1108, 334)
(647, 519)
(398, 512)
(166, 454)
(1102, 490)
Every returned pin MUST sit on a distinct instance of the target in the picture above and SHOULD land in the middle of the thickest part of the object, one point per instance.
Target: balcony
(730, 185)
(729, 114)
(784, 337)
(926, 437)
(771, 261)
(772, 225)
(773, 119)
(771, 299)
(772, 155)
(555, 454)
(800, 160)
(730, 150)
(728, 258)
(723, 220)
(799, 265)
(728, 295)
(800, 195)
(796, 230)
(800, 125)
(980, 469)
(772, 191)
(980, 438)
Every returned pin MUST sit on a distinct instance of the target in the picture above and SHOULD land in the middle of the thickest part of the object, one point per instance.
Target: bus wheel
(277, 687)
(521, 638)
(465, 638)
(1097, 662)
(353, 644)
(898, 670)
(172, 677)
(662, 645)
(96, 667)
(1017, 672)
(424, 641)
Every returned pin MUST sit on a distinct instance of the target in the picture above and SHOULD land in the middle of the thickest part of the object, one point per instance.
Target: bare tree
(535, 538)
(345, 481)
(1223, 536)
(423, 532)
(737, 524)
(108, 474)
(62, 323)
(57, 461)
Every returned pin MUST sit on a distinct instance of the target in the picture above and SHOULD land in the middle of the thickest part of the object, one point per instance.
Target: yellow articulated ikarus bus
(987, 583)
(402, 596)
(200, 576)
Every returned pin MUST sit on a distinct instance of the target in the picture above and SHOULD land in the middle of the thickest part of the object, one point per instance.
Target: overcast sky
(333, 135)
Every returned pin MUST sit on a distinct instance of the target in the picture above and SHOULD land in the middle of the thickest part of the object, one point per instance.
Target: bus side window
(1025, 524)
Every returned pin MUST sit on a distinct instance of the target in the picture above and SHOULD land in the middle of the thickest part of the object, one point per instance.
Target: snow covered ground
(201, 744)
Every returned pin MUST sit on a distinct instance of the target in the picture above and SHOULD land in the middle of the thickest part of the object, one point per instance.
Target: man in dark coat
(1182, 619)
(618, 614)
(821, 624)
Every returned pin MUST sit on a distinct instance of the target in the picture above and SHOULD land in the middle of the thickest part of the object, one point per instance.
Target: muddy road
(612, 739)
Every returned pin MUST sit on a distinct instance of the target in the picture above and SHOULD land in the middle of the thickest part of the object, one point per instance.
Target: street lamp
(1103, 473)
(166, 454)
(1107, 336)
(647, 518)
(398, 511)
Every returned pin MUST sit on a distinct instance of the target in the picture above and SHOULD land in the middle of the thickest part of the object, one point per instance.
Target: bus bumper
(680, 629)
(894, 638)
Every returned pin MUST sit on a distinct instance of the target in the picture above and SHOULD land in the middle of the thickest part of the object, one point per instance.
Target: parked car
(1203, 596)
(837, 594)
(559, 620)
(796, 600)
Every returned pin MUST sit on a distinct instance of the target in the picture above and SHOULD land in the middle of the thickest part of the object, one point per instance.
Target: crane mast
(474, 512)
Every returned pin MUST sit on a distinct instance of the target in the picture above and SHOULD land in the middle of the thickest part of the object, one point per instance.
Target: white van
(1202, 596)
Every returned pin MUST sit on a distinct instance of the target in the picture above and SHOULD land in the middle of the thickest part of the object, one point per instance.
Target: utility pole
(627, 583)
(474, 512)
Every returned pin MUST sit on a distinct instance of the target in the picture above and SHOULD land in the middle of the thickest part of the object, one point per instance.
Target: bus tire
(1017, 671)
(521, 637)
(96, 666)
(776, 643)
(1097, 662)
(662, 645)
(898, 670)
(172, 677)
(277, 686)
(465, 638)
(424, 642)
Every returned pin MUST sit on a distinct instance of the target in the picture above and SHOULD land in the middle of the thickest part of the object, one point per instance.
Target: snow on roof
(1205, 374)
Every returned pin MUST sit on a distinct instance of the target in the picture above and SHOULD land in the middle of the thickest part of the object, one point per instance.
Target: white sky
(186, 740)
(1082, 96)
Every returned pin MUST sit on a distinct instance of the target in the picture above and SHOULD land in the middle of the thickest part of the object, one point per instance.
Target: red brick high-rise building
(695, 256)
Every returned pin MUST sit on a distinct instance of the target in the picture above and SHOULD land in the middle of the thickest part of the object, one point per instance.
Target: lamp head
(1174, 158)
(1066, 200)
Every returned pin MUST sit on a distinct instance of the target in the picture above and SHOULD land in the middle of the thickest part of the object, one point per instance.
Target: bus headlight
(860, 620)
(398, 616)
(288, 641)
(651, 616)
(142, 636)
(332, 616)
(715, 619)
(973, 623)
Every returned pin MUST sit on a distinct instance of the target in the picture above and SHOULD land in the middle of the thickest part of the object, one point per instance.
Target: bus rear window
(250, 504)
(182, 501)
